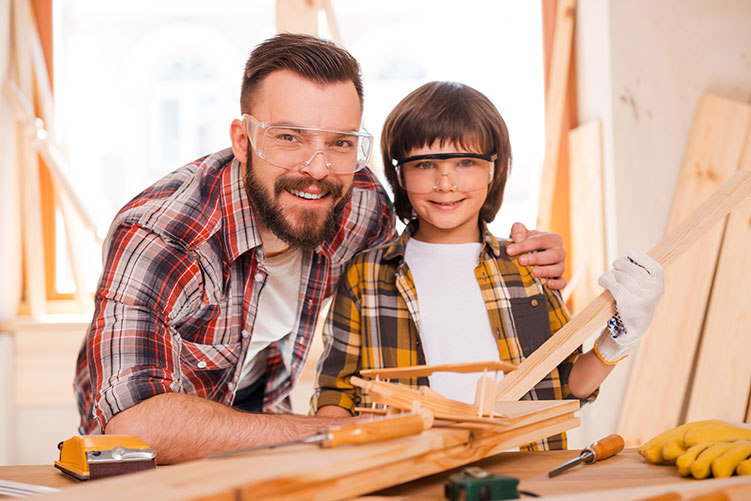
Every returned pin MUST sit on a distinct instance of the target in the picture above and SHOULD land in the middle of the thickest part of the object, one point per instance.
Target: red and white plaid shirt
(178, 297)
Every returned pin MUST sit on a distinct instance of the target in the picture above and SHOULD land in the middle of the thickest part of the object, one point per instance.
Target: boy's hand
(636, 283)
(542, 251)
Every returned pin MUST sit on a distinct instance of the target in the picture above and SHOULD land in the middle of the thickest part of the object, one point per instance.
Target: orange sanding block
(96, 456)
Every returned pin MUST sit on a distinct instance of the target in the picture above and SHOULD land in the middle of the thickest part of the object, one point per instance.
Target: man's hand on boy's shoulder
(543, 251)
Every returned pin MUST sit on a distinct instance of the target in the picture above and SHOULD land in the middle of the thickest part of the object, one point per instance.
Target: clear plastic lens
(294, 147)
(462, 174)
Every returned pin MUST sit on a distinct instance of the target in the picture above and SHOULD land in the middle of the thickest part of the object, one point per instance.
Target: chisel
(602, 449)
(358, 432)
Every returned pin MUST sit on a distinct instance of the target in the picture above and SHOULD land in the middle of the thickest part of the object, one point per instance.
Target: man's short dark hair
(447, 112)
(310, 57)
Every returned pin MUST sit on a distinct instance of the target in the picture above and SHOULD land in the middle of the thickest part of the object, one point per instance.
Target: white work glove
(636, 284)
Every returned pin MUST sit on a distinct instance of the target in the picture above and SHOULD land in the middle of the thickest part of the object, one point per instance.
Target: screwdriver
(602, 449)
(359, 432)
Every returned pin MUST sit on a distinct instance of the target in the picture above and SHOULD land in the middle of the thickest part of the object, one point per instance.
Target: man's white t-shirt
(454, 324)
(277, 307)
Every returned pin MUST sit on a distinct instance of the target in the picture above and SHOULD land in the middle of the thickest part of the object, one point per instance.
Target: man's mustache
(300, 184)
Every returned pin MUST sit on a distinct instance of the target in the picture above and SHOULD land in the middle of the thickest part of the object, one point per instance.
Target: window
(143, 88)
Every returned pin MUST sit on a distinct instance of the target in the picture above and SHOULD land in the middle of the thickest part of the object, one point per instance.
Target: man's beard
(311, 231)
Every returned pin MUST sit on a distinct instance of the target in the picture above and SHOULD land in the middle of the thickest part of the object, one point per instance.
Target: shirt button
(201, 364)
(245, 334)
(259, 277)
(535, 302)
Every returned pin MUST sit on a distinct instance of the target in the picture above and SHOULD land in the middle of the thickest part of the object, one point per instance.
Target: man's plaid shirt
(178, 297)
(375, 318)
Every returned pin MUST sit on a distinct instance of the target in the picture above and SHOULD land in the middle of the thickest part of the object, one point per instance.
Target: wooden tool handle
(547, 357)
(608, 446)
(400, 425)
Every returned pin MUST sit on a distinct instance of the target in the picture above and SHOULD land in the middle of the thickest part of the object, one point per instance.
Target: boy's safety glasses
(294, 147)
(465, 171)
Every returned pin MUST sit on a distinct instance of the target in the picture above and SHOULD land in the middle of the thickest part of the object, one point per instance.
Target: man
(215, 275)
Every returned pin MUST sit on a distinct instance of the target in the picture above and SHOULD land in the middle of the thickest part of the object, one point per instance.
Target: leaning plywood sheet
(307, 472)
(722, 375)
(563, 343)
(663, 364)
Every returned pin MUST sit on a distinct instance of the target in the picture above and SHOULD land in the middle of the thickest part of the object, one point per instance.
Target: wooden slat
(426, 370)
(593, 317)
(722, 375)
(661, 370)
(554, 106)
(587, 212)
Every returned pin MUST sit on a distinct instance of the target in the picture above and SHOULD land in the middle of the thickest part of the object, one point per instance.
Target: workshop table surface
(627, 469)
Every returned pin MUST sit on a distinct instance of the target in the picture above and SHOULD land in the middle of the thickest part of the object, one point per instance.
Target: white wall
(642, 65)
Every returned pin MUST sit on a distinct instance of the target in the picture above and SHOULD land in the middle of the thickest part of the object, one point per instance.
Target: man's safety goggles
(294, 147)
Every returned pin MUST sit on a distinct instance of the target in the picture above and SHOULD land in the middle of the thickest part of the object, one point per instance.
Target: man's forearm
(183, 427)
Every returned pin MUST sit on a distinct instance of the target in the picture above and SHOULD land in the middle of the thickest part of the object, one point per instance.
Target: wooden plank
(565, 341)
(297, 16)
(587, 212)
(727, 489)
(426, 370)
(663, 363)
(433, 462)
(554, 106)
(292, 470)
(722, 375)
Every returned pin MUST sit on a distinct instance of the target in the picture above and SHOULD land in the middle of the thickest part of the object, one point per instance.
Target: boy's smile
(446, 214)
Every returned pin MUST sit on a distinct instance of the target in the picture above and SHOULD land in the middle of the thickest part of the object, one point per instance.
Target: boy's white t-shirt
(454, 324)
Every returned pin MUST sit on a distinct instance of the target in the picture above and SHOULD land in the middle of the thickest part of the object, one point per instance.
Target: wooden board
(722, 375)
(724, 489)
(517, 383)
(663, 363)
(554, 106)
(297, 16)
(587, 213)
(306, 472)
(426, 370)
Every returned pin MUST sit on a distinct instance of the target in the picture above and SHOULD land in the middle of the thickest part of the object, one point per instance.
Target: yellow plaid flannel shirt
(374, 323)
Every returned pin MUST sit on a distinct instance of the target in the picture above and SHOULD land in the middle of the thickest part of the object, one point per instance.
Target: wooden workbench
(627, 469)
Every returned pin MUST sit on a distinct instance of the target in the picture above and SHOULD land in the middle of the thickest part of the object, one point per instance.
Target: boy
(446, 291)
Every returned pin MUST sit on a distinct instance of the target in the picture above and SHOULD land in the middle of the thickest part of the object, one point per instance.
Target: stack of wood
(305, 471)
(695, 362)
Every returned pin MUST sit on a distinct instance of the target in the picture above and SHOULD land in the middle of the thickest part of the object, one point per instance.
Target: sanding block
(97, 456)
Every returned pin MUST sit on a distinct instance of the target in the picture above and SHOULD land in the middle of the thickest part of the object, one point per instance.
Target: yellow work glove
(722, 459)
(668, 445)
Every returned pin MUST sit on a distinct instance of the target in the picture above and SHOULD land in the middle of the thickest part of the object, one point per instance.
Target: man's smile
(307, 195)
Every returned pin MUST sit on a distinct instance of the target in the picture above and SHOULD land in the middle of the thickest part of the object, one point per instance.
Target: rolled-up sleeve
(131, 351)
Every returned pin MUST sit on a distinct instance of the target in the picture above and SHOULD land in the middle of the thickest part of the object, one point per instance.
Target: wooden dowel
(547, 357)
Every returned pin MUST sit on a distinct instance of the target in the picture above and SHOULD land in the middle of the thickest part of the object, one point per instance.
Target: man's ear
(239, 138)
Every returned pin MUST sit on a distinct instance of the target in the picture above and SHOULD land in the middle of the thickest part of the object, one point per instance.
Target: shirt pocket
(206, 368)
(531, 321)
(209, 357)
